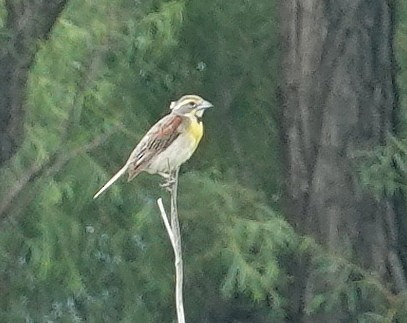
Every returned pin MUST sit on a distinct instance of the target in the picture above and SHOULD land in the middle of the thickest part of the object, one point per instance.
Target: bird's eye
(193, 105)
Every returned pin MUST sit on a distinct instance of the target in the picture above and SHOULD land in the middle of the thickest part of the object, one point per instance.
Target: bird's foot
(168, 183)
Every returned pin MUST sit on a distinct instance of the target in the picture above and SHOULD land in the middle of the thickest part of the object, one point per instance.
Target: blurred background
(293, 207)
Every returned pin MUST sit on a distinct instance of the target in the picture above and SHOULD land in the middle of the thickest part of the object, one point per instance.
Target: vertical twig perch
(174, 234)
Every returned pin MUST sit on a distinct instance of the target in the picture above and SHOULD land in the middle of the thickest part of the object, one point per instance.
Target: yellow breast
(195, 130)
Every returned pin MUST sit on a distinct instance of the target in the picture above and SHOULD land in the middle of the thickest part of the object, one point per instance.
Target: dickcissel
(169, 143)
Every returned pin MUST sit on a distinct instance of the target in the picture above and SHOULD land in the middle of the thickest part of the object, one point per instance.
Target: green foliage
(347, 287)
(106, 74)
(243, 238)
(383, 170)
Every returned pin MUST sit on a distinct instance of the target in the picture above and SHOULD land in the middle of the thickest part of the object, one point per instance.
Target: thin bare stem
(166, 223)
(174, 234)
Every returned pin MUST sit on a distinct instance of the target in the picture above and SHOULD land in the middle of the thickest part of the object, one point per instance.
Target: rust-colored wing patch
(157, 139)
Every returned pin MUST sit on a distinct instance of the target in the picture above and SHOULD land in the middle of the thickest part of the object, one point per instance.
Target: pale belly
(174, 156)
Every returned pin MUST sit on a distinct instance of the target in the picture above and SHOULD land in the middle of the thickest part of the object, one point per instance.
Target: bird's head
(190, 106)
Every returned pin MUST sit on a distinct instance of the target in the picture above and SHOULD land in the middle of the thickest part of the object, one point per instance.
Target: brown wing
(157, 139)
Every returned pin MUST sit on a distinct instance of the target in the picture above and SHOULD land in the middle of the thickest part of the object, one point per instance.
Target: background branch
(55, 163)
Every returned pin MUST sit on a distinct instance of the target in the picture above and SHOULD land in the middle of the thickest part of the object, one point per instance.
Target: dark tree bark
(27, 23)
(338, 97)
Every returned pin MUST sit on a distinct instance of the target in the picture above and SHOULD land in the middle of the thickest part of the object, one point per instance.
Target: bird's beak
(205, 105)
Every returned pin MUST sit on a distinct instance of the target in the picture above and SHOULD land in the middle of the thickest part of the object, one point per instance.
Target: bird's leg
(169, 178)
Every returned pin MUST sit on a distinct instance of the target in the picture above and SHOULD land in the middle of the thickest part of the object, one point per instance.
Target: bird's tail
(111, 181)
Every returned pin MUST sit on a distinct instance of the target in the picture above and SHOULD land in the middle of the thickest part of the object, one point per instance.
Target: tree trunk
(28, 22)
(338, 97)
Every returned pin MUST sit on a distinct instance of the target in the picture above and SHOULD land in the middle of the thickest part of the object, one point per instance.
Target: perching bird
(169, 143)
